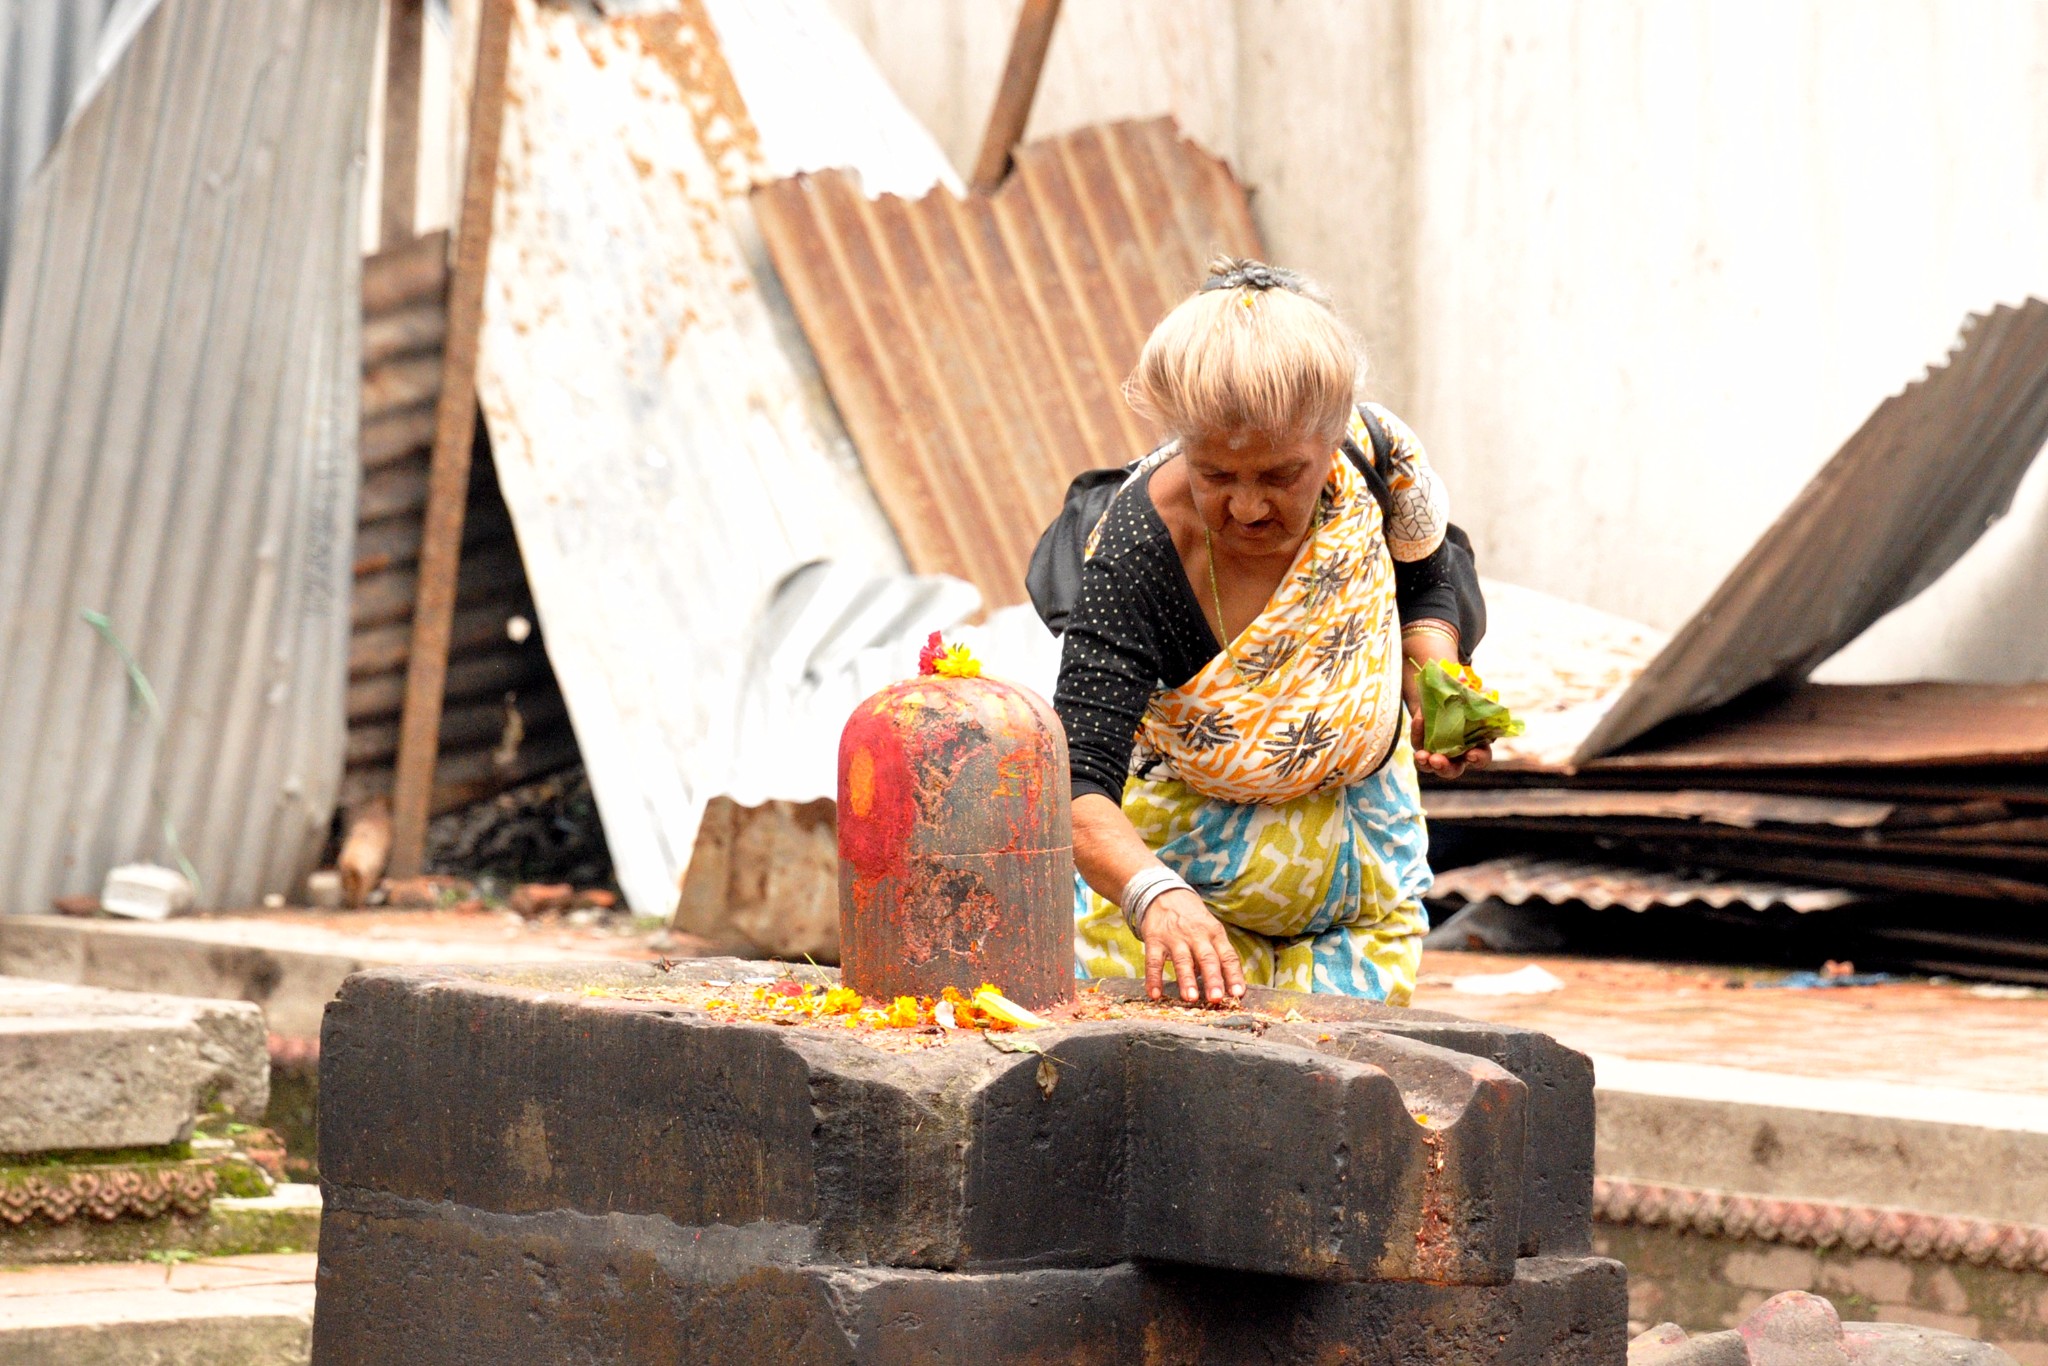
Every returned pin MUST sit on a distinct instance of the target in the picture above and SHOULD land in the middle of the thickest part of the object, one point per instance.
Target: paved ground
(1911, 1032)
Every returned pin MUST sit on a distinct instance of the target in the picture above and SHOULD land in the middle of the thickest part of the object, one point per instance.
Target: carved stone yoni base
(528, 1156)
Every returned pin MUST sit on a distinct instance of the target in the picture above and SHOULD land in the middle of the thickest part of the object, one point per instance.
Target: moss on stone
(97, 1157)
(217, 1233)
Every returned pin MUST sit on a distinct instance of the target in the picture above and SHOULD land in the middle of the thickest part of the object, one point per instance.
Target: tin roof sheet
(1896, 506)
(178, 366)
(976, 346)
(1602, 886)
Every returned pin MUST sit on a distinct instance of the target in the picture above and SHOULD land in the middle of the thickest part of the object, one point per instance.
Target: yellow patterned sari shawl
(1280, 783)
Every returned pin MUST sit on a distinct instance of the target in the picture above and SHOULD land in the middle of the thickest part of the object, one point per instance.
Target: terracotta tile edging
(1822, 1225)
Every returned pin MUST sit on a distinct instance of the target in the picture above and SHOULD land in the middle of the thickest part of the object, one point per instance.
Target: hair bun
(1233, 272)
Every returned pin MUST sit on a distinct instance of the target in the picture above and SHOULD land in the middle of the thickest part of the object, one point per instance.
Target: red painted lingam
(956, 860)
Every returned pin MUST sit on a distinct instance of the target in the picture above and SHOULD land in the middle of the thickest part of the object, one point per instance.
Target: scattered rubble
(1798, 1329)
(545, 831)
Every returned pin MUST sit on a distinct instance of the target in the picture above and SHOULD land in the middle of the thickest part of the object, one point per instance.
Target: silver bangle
(1146, 886)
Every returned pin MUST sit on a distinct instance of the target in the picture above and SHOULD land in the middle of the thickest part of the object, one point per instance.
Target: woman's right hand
(1179, 927)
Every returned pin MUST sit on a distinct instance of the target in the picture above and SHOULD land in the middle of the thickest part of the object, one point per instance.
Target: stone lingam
(728, 1161)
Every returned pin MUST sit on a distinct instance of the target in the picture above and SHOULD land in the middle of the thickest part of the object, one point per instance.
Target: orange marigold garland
(791, 1002)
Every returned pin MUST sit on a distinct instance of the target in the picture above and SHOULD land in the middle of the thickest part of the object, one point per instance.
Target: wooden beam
(1014, 96)
(397, 204)
(454, 432)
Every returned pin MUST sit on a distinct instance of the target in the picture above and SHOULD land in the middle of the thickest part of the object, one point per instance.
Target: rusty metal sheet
(976, 346)
(178, 371)
(1742, 810)
(1896, 506)
(664, 446)
(504, 721)
(1602, 886)
(1842, 725)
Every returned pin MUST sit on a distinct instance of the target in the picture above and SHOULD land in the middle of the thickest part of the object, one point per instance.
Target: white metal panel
(178, 370)
(661, 435)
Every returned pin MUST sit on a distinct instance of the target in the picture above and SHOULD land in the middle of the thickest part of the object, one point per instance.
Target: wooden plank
(405, 24)
(454, 435)
(1015, 95)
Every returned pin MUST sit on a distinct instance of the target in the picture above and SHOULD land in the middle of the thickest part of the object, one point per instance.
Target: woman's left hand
(1448, 766)
(1420, 644)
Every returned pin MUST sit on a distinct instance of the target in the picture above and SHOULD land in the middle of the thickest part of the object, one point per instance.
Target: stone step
(290, 963)
(253, 1311)
(1937, 1149)
(85, 1068)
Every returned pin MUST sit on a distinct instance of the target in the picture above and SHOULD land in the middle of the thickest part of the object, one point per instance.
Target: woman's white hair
(1256, 350)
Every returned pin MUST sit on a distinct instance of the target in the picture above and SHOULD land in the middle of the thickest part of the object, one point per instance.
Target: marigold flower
(950, 661)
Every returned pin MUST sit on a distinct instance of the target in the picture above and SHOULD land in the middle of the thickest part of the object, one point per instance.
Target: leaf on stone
(1048, 1076)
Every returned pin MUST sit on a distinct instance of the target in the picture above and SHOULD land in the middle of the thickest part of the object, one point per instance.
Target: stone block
(516, 1092)
(1556, 1200)
(87, 1068)
(1393, 1161)
(521, 1091)
(459, 1285)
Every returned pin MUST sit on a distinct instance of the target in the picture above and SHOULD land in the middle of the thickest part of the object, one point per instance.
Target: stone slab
(520, 1091)
(451, 1284)
(251, 1311)
(86, 1068)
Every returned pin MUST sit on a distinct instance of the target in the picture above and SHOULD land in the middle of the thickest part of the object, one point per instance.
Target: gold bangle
(1430, 627)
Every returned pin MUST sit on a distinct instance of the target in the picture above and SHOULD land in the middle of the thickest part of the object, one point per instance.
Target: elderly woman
(1232, 679)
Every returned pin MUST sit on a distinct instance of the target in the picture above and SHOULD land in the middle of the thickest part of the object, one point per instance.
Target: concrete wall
(1633, 270)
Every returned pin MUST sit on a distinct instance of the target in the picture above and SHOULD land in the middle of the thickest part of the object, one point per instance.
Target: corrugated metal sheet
(666, 450)
(1604, 885)
(1741, 810)
(178, 366)
(504, 721)
(1843, 725)
(977, 346)
(47, 59)
(1896, 506)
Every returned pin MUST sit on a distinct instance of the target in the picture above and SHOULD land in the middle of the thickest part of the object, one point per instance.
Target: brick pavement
(1912, 1031)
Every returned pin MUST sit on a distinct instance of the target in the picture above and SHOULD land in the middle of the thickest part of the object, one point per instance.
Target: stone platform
(561, 1164)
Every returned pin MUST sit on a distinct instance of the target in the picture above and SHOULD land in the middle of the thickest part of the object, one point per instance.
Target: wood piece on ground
(403, 34)
(1015, 95)
(454, 434)
(365, 850)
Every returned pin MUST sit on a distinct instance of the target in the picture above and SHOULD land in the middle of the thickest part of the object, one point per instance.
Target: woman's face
(1256, 495)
